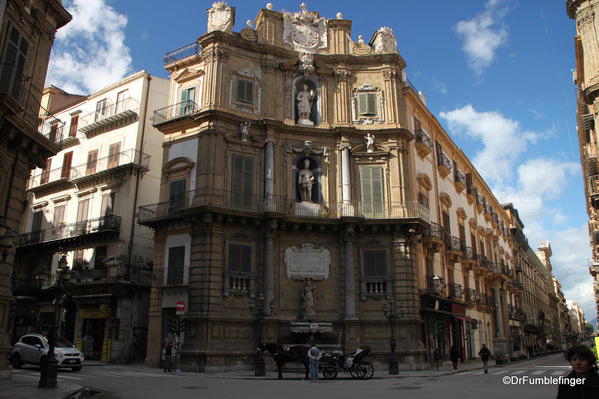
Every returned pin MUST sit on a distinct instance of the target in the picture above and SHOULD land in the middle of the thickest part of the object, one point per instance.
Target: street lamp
(49, 365)
(389, 311)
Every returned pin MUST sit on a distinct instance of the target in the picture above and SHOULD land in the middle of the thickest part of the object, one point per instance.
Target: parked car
(33, 348)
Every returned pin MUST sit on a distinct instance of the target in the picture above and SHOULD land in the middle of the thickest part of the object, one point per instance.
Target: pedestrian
(454, 355)
(314, 355)
(484, 354)
(437, 356)
(584, 365)
(168, 353)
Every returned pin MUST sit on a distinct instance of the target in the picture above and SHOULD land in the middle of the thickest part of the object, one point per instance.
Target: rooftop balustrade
(182, 52)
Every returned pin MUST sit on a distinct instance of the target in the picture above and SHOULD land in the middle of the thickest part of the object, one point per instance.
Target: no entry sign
(180, 308)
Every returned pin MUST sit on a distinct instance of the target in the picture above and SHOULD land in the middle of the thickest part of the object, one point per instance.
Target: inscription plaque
(307, 262)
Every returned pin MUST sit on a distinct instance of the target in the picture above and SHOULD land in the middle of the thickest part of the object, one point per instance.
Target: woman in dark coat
(454, 355)
(584, 365)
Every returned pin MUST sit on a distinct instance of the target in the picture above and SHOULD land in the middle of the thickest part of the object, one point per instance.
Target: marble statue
(244, 131)
(305, 99)
(369, 139)
(305, 181)
(308, 301)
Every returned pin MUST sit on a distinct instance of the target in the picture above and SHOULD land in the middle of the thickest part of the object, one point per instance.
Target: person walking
(314, 355)
(168, 354)
(484, 354)
(437, 357)
(584, 365)
(454, 356)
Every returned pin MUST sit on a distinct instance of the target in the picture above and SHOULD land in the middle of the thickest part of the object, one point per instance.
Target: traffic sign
(180, 308)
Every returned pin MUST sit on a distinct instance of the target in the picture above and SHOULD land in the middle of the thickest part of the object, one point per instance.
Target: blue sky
(497, 73)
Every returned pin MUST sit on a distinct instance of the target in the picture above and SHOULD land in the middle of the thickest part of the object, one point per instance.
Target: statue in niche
(244, 131)
(369, 139)
(305, 98)
(308, 301)
(305, 181)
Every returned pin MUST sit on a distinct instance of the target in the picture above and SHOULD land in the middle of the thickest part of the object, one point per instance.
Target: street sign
(180, 308)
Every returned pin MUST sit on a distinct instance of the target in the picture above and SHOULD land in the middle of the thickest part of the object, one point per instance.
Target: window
(66, 165)
(36, 226)
(92, 162)
(367, 104)
(176, 265)
(187, 105)
(58, 215)
(376, 278)
(100, 254)
(245, 91)
(107, 204)
(82, 210)
(423, 200)
(45, 176)
(100, 110)
(121, 101)
(73, 127)
(114, 151)
(417, 125)
(371, 185)
(239, 268)
(176, 196)
(13, 65)
(241, 183)
(53, 130)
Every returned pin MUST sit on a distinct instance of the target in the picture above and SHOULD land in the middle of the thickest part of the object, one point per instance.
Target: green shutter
(362, 103)
(367, 104)
(372, 190)
(245, 91)
(242, 182)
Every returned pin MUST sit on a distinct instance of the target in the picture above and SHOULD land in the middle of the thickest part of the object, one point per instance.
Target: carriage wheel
(329, 373)
(366, 370)
(353, 371)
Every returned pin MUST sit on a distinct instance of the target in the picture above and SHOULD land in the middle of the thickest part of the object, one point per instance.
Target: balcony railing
(422, 137)
(109, 116)
(49, 176)
(472, 296)
(594, 185)
(443, 160)
(232, 200)
(182, 52)
(471, 190)
(435, 284)
(174, 112)
(127, 157)
(456, 291)
(88, 275)
(64, 231)
(505, 269)
(459, 177)
(470, 254)
(436, 231)
(454, 244)
(489, 301)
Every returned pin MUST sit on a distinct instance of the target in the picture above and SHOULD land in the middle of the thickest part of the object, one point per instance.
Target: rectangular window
(106, 206)
(121, 101)
(92, 162)
(367, 104)
(176, 196)
(245, 91)
(187, 106)
(66, 165)
(82, 209)
(53, 130)
(99, 256)
(100, 110)
(36, 226)
(176, 265)
(372, 189)
(13, 64)
(417, 125)
(375, 271)
(79, 254)
(462, 231)
(74, 125)
(114, 152)
(240, 258)
(46, 172)
(58, 215)
(242, 182)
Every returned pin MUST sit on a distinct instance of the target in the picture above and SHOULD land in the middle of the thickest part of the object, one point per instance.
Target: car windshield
(60, 342)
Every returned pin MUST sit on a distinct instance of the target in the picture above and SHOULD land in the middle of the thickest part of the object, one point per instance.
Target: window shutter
(362, 104)
(375, 263)
(66, 165)
(240, 258)
(371, 104)
(372, 190)
(176, 262)
(58, 215)
(245, 91)
(243, 171)
(73, 128)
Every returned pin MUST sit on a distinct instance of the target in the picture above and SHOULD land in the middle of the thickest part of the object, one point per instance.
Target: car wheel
(76, 368)
(15, 361)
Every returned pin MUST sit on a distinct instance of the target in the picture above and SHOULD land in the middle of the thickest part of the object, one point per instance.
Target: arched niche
(298, 166)
(313, 84)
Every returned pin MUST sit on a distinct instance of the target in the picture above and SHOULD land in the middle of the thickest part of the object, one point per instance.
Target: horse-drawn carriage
(354, 365)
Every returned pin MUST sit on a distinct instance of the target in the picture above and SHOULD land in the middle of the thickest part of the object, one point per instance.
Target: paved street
(140, 382)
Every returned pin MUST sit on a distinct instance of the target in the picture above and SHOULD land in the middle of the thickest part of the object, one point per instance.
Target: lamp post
(49, 365)
(389, 311)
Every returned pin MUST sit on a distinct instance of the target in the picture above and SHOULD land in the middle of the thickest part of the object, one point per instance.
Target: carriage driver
(350, 360)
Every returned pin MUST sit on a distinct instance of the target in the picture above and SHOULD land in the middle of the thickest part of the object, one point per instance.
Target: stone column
(346, 181)
(342, 101)
(269, 172)
(498, 313)
(350, 294)
(268, 272)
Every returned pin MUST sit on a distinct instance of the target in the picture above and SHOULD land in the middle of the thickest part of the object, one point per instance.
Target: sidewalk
(14, 389)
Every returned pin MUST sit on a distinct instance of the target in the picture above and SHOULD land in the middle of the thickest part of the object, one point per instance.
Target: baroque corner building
(307, 194)
(586, 77)
(26, 37)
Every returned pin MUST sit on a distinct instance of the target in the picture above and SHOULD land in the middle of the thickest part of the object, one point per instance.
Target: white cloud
(503, 140)
(483, 35)
(89, 52)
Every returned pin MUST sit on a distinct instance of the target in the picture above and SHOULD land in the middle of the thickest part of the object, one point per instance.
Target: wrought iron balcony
(594, 185)
(470, 254)
(472, 296)
(489, 301)
(424, 144)
(459, 177)
(109, 223)
(443, 163)
(435, 284)
(86, 275)
(436, 232)
(454, 244)
(182, 52)
(236, 201)
(175, 112)
(128, 159)
(456, 291)
(471, 190)
(109, 117)
(45, 177)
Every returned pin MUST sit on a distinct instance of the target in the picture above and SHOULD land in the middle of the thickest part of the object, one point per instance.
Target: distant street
(130, 382)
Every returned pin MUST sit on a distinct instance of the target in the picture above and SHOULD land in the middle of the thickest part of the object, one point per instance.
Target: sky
(496, 73)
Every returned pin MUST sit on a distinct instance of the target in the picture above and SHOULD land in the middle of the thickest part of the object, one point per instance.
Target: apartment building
(80, 219)
(27, 32)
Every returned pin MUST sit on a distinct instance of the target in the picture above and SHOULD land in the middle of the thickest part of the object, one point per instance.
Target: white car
(32, 349)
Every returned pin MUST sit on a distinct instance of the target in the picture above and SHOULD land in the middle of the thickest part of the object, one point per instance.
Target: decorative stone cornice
(390, 75)
(214, 54)
(424, 181)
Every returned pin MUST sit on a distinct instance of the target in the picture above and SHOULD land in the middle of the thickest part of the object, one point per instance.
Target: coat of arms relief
(221, 17)
(305, 31)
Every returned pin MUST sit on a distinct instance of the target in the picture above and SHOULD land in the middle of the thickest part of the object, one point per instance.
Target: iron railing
(175, 111)
(470, 254)
(422, 137)
(472, 295)
(47, 176)
(182, 52)
(436, 231)
(435, 284)
(489, 301)
(471, 190)
(88, 275)
(456, 291)
(127, 157)
(454, 243)
(459, 177)
(594, 185)
(53, 131)
(63, 231)
(111, 112)
(443, 160)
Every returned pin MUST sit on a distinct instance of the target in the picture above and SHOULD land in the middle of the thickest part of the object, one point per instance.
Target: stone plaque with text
(307, 261)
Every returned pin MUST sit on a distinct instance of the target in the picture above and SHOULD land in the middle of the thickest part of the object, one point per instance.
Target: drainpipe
(141, 147)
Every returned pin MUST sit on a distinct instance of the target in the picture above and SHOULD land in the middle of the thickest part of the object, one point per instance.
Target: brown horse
(292, 354)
